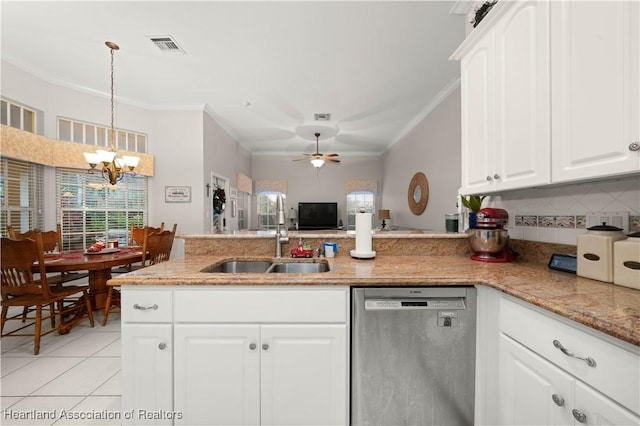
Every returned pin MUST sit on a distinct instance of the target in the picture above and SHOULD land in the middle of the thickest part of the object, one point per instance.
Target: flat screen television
(317, 216)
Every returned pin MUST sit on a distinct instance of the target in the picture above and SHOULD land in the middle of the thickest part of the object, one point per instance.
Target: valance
(244, 183)
(271, 185)
(27, 146)
(354, 185)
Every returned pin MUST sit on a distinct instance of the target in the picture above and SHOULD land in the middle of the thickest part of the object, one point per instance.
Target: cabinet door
(304, 375)
(522, 79)
(477, 88)
(595, 88)
(217, 377)
(599, 410)
(146, 372)
(528, 384)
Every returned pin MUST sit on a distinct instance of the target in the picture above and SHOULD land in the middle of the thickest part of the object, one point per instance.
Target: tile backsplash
(559, 214)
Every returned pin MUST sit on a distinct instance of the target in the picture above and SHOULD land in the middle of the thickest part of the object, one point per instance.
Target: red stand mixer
(490, 241)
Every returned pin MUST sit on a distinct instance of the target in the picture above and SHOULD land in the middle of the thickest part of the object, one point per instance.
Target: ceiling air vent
(323, 117)
(166, 44)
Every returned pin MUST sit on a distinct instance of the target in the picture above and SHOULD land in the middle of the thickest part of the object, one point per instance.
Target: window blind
(21, 195)
(89, 211)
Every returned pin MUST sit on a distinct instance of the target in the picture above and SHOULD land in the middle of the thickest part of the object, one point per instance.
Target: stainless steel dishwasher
(413, 355)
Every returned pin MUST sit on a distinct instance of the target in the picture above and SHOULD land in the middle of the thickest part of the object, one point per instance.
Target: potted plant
(473, 203)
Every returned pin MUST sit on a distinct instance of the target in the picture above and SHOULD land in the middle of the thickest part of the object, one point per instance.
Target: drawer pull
(265, 347)
(253, 346)
(579, 415)
(590, 361)
(558, 400)
(145, 308)
(162, 346)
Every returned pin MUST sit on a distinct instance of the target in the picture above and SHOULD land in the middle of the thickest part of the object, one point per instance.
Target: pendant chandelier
(113, 167)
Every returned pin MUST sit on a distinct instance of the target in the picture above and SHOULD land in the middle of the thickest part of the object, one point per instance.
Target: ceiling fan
(318, 159)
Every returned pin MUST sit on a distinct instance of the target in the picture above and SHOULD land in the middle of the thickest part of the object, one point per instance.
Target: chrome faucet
(280, 238)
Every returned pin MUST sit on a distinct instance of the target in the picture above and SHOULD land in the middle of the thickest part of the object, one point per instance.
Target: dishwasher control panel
(453, 303)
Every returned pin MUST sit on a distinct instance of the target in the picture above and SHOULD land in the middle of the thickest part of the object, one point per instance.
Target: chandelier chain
(113, 132)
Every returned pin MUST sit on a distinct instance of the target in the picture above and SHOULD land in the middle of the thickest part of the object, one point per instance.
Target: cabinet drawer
(616, 370)
(273, 304)
(149, 305)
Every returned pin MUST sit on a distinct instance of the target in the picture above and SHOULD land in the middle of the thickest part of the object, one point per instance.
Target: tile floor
(75, 380)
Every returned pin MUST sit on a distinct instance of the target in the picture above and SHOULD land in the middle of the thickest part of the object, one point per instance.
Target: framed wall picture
(177, 194)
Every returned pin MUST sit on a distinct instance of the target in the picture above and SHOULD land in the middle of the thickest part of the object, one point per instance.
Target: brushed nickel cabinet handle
(145, 308)
(579, 415)
(253, 346)
(590, 361)
(162, 346)
(634, 146)
(558, 400)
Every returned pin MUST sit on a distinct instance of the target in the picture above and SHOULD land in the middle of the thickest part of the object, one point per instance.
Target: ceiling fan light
(317, 162)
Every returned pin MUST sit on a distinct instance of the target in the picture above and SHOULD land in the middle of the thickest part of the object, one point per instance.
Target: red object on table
(98, 265)
(300, 251)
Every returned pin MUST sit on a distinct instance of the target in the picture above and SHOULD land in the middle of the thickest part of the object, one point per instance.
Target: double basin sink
(268, 266)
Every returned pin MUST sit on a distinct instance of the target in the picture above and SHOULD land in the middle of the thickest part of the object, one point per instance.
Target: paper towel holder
(418, 193)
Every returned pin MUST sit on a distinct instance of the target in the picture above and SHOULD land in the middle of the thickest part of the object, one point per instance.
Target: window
(21, 195)
(243, 210)
(18, 116)
(267, 209)
(89, 211)
(357, 200)
(92, 134)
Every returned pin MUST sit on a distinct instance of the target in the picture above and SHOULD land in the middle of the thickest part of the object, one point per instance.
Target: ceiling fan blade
(332, 160)
(331, 155)
(300, 159)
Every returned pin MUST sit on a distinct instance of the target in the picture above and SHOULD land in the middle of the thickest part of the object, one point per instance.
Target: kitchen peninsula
(180, 307)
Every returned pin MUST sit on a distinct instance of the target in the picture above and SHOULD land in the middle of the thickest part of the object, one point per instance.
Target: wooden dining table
(97, 264)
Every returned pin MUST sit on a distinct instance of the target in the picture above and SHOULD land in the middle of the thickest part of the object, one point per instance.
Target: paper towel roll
(363, 236)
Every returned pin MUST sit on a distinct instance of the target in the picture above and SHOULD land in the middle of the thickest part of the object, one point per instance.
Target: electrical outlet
(619, 219)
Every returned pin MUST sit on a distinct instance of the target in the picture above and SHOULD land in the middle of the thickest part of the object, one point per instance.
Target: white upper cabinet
(550, 94)
(595, 89)
(477, 80)
(505, 79)
(522, 76)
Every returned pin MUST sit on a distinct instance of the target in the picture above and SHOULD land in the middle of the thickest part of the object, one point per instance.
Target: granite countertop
(609, 308)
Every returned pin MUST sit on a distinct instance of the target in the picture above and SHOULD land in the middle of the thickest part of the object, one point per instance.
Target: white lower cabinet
(146, 374)
(590, 382)
(229, 374)
(534, 391)
(235, 356)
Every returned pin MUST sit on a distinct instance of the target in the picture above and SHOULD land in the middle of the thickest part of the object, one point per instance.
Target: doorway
(219, 202)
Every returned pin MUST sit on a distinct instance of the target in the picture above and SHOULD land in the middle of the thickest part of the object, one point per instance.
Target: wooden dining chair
(136, 238)
(51, 243)
(156, 248)
(20, 289)
(136, 235)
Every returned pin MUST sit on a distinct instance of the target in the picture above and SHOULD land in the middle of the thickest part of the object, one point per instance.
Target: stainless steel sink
(240, 266)
(265, 266)
(299, 267)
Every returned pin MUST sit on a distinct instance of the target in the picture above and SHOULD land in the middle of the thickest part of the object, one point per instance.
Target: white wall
(306, 183)
(433, 148)
(224, 157)
(176, 144)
